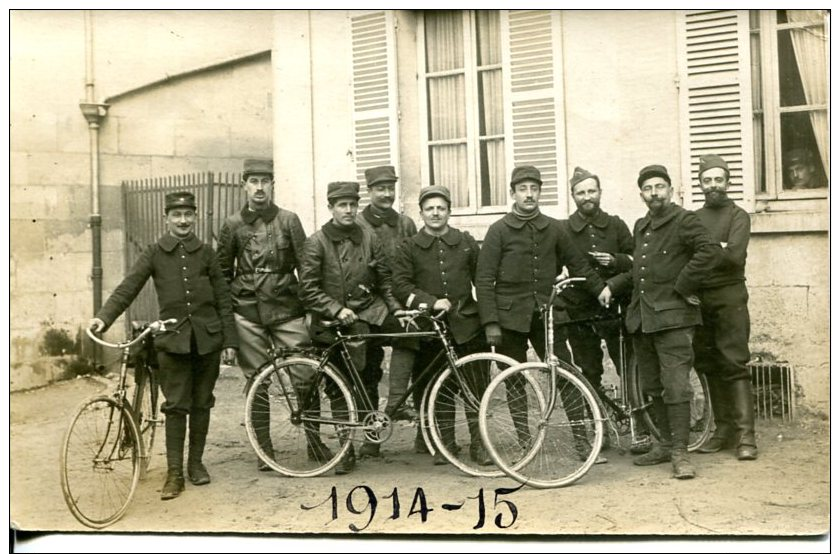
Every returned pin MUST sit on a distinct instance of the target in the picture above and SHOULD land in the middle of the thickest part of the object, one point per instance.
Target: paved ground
(785, 492)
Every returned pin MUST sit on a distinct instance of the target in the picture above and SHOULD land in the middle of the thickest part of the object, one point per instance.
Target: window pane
(488, 37)
(449, 168)
(447, 114)
(757, 100)
(802, 162)
(493, 174)
(444, 40)
(491, 116)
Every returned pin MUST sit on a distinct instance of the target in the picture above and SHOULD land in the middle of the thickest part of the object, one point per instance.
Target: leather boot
(722, 409)
(310, 406)
(338, 407)
(348, 463)
(478, 453)
(261, 418)
(176, 431)
(446, 425)
(420, 446)
(399, 374)
(199, 424)
(744, 416)
(679, 417)
(660, 453)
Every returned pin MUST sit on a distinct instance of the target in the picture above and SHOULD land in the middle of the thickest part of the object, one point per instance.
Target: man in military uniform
(721, 345)
(380, 218)
(519, 260)
(608, 245)
(673, 256)
(436, 268)
(259, 251)
(345, 276)
(190, 288)
(801, 170)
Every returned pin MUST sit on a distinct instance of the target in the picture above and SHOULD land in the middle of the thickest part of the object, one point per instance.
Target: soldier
(190, 288)
(436, 268)
(673, 255)
(522, 254)
(345, 277)
(608, 245)
(380, 218)
(721, 345)
(259, 251)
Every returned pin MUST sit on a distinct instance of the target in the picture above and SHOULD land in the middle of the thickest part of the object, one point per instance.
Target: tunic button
(185, 279)
(645, 245)
(188, 304)
(184, 268)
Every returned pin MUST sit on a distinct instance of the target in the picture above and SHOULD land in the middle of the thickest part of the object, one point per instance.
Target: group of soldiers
(679, 277)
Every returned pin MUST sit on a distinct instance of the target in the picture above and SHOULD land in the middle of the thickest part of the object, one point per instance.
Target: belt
(262, 270)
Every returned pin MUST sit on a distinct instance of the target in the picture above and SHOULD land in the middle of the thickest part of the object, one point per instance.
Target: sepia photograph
(498, 275)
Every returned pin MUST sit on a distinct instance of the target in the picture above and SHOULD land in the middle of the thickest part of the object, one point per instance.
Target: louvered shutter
(716, 100)
(534, 87)
(374, 93)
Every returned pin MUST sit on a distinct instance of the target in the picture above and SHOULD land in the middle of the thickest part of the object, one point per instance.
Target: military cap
(257, 166)
(708, 161)
(653, 171)
(799, 156)
(581, 174)
(525, 173)
(182, 199)
(435, 190)
(380, 174)
(343, 189)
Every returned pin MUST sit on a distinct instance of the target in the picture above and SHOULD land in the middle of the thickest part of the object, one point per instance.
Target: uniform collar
(656, 222)
(424, 240)
(540, 222)
(577, 221)
(338, 234)
(724, 204)
(249, 216)
(391, 217)
(168, 243)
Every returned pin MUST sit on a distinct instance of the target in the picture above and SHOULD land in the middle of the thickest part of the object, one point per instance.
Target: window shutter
(374, 93)
(534, 84)
(716, 100)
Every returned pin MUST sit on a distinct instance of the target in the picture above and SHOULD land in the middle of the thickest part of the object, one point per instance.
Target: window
(464, 107)
(790, 103)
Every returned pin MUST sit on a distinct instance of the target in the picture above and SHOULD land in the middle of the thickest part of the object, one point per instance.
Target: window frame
(471, 70)
(772, 111)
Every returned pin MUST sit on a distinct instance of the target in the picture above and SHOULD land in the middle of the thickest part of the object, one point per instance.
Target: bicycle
(313, 410)
(568, 456)
(107, 447)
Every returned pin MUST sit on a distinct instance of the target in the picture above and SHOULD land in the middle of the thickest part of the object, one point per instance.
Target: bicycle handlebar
(155, 326)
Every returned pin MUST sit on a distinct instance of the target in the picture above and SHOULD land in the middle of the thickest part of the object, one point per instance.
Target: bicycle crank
(377, 427)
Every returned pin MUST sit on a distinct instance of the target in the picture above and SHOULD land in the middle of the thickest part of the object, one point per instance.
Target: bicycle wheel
(100, 462)
(536, 448)
(453, 415)
(702, 417)
(145, 405)
(300, 417)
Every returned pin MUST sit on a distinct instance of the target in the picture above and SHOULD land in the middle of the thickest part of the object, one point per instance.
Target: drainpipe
(94, 113)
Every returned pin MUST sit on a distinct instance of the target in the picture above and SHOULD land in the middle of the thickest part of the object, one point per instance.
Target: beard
(589, 208)
(715, 198)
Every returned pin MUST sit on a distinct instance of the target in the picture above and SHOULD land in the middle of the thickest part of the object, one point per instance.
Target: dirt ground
(785, 492)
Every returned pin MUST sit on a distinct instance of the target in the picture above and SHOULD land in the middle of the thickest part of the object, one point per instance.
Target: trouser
(187, 382)
(721, 349)
(585, 340)
(255, 340)
(665, 359)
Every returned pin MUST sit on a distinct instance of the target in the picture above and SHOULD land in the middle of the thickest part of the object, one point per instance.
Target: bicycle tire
(100, 462)
(539, 452)
(145, 405)
(445, 398)
(702, 418)
(425, 427)
(273, 416)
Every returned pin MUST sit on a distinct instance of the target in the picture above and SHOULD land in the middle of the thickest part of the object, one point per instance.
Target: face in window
(526, 196)
(259, 188)
(435, 214)
(343, 211)
(180, 222)
(587, 196)
(714, 182)
(802, 175)
(382, 195)
(656, 193)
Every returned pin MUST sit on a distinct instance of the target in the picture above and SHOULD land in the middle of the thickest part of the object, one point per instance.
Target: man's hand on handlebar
(493, 334)
(605, 297)
(96, 325)
(442, 305)
(346, 316)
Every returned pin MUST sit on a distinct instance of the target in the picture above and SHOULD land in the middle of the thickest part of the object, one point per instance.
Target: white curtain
(809, 48)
